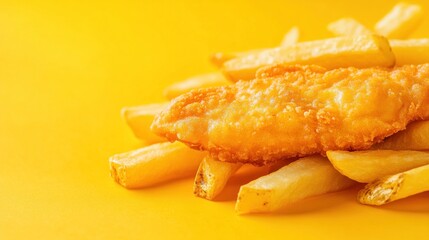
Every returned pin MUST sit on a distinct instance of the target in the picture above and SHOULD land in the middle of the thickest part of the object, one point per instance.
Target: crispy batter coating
(290, 111)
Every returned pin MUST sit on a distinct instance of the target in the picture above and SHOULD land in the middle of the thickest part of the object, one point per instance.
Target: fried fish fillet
(290, 111)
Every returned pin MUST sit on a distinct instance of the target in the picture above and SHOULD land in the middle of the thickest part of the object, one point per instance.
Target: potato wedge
(414, 137)
(212, 177)
(215, 79)
(367, 166)
(400, 22)
(303, 178)
(348, 27)
(357, 51)
(154, 164)
(291, 37)
(410, 51)
(140, 118)
(396, 187)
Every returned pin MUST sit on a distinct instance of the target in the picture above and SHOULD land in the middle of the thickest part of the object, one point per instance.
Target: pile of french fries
(394, 169)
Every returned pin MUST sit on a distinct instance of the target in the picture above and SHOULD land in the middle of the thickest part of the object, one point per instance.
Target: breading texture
(290, 111)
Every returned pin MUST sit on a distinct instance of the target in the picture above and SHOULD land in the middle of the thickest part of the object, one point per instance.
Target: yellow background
(67, 68)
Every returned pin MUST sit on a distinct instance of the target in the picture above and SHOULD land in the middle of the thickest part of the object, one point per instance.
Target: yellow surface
(67, 68)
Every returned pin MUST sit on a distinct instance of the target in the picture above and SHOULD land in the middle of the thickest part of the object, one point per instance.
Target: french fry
(414, 137)
(400, 22)
(367, 166)
(348, 27)
(303, 178)
(154, 164)
(140, 118)
(358, 51)
(215, 79)
(218, 59)
(291, 37)
(410, 51)
(279, 164)
(212, 177)
(396, 187)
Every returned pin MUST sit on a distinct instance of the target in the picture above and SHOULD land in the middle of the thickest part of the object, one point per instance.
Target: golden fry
(414, 137)
(303, 178)
(358, 51)
(279, 164)
(215, 79)
(396, 187)
(218, 59)
(401, 21)
(348, 27)
(212, 177)
(367, 166)
(410, 51)
(291, 37)
(154, 164)
(140, 118)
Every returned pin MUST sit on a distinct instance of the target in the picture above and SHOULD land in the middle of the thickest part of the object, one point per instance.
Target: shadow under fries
(416, 204)
(244, 175)
(321, 202)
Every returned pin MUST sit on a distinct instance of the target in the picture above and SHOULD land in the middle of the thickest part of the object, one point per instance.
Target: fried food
(140, 118)
(290, 111)
(218, 59)
(401, 21)
(367, 166)
(215, 79)
(212, 177)
(347, 51)
(415, 137)
(154, 164)
(398, 186)
(410, 51)
(291, 37)
(348, 27)
(303, 178)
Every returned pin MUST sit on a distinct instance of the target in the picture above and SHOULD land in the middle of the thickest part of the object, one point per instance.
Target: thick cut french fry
(291, 37)
(348, 27)
(154, 164)
(218, 59)
(212, 177)
(400, 22)
(357, 51)
(303, 178)
(410, 51)
(215, 79)
(140, 118)
(279, 164)
(367, 166)
(414, 137)
(396, 187)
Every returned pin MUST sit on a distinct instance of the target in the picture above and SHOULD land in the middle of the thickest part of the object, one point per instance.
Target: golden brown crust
(293, 111)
